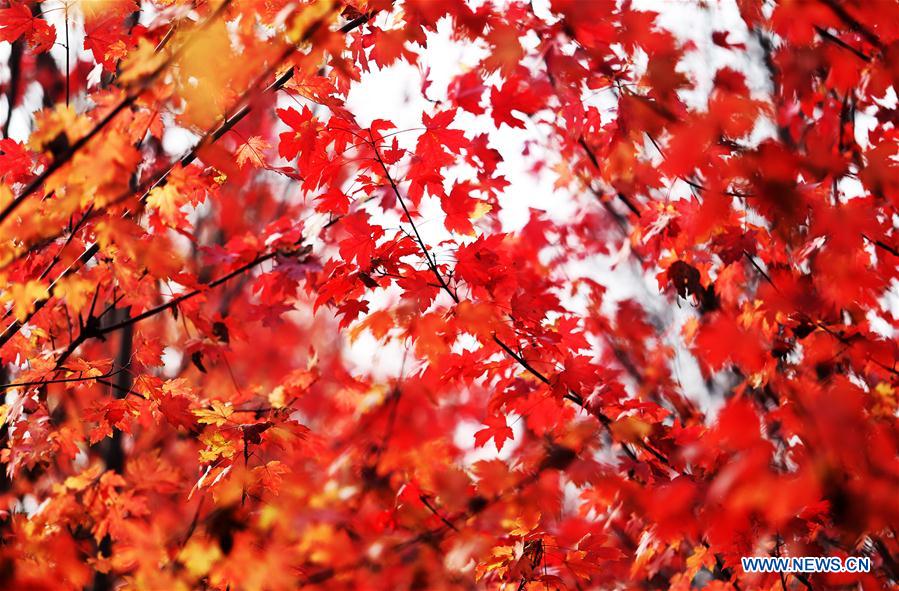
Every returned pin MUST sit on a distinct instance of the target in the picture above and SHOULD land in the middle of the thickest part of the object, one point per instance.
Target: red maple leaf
(495, 429)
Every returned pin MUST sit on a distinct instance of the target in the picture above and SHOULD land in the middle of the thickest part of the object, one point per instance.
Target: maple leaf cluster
(184, 402)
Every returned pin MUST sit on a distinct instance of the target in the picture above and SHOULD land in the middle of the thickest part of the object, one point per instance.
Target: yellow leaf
(167, 201)
(204, 72)
(269, 516)
(252, 151)
(199, 556)
(86, 369)
(308, 17)
(75, 291)
(85, 479)
(498, 562)
(141, 62)
(885, 390)
(317, 541)
(698, 559)
(885, 400)
(218, 416)
(51, 123)
(276, 397)
(6, 195)
(630, 429)
(217, 446)
(94, 10)
(522, 525)
(480, 210)
(24, 296)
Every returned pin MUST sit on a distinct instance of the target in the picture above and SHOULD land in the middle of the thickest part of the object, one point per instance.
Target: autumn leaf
(217, 446)
(58, 127)
(15, 162)
(496, 429)
(207, 65)
(217, 414)
(17, 21)
(300, 140)
(461, 209)
(252, 151)
(167, 201)
(25, 296)
(177, 411)
(74, 291)
(359, 245)
(198, 556)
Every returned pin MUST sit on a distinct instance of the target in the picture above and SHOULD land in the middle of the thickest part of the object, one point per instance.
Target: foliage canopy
(181, 407)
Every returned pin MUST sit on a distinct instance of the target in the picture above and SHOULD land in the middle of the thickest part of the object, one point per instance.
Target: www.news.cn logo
(805, 564)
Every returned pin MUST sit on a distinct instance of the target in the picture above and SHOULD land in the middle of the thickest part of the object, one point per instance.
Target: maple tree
(183, 408)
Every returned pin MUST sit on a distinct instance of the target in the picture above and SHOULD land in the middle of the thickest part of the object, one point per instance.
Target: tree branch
(853, 23)
(432, 264)
(209, 137)
(91, 331)
(129, 100)
(569, 395)
(828, 36)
